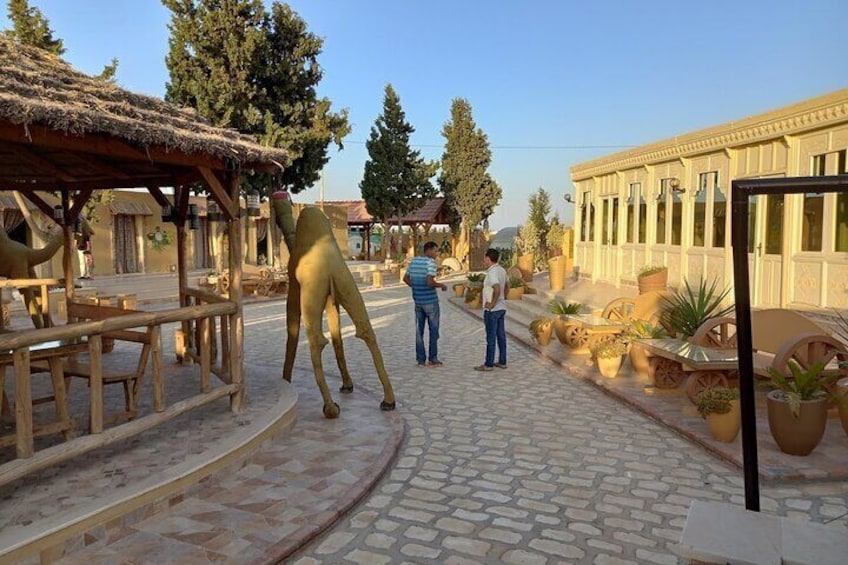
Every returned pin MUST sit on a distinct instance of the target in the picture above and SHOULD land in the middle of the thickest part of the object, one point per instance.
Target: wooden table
(584, 330)
(674, 360)
(52, 352)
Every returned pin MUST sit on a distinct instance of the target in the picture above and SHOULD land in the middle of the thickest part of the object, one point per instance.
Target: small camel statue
(319, 280)
(17, 261)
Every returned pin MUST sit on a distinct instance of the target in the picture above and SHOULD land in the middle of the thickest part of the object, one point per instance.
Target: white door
(609, 239)
(765, 248)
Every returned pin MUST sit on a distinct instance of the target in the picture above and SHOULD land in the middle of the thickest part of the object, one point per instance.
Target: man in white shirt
(494, 311)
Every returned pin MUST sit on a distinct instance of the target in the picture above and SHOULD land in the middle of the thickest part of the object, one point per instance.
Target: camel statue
(319, 281)
(17, 261)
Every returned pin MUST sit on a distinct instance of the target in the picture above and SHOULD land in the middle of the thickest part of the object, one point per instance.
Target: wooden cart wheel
(718, 333)
(578, 337)
(665, 373)
(810, 348)
(619, 310)
(699, 381)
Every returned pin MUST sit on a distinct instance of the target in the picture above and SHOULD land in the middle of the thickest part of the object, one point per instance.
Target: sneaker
(500, 365)
(482, 368)
(422, 364)
(436, 363)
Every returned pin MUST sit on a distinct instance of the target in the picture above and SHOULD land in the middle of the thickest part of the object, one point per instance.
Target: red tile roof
(357, 213)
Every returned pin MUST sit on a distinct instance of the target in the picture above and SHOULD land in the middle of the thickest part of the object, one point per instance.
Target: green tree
(540, 208)
(396, 180)
(471, 193)
(30, 27)
(245, 68)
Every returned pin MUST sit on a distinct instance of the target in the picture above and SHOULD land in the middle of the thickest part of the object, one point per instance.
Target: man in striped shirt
(421, 276)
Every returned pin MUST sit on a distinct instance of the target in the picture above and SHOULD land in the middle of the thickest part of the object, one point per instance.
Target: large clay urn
(654, 281)
(556, 272)
(725, 427)
(639, 359)
(796, 436)
(526, 265)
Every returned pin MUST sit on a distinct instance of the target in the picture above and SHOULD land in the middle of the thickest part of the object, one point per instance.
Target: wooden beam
(228, 207)
(100, 144)
(45, 208)
(80, 200)
(37, 160)
(102, 165)
(28, 187)
(158, 196)
(236, 359)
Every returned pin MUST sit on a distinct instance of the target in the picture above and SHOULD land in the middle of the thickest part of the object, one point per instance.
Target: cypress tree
(30, 27)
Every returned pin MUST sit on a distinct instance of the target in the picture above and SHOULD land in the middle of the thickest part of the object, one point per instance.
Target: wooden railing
(17, 345)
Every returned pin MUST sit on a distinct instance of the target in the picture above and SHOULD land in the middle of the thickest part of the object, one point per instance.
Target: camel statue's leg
(292, 327)
(33, 306)
(313, 313)
(335, 325)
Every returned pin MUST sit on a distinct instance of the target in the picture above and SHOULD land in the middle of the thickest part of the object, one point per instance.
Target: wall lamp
(59, 214)
(674, 184)
(193, 217)
(213, 212)
(568, 198)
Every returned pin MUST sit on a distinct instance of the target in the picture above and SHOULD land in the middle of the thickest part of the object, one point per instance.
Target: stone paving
(530, 465)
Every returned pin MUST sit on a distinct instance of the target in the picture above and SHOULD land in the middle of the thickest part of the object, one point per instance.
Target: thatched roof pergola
(61, 130)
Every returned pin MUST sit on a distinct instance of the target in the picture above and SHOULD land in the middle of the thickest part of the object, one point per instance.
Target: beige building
(669, 203)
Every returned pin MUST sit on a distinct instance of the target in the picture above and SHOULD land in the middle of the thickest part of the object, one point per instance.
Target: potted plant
(516, 288)
(797, 408)
(474, 297)
(687, 309)
(608, 355)
(476, 279)
(641, 329)
(562, 308)
(719, 406)
(459, 289)
(540, 330)
(652, 277)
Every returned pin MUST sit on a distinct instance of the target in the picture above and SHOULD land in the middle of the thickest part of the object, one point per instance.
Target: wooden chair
(130, 380)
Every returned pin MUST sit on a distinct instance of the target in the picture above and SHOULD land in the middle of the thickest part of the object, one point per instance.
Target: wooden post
(236, 349)
(181, 209)
(67, 265)
(23, 404)
(205, 354)
(95, 383)
(158, 380)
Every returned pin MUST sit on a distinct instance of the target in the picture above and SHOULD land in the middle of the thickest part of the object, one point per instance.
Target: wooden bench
(131, 380)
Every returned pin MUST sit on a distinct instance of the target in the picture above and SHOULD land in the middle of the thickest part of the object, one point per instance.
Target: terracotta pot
(561, 329)
(515, 293)
(796, 436)
(526, 265)
(556, 273)
(639, 359)
(725, 427)
(842, 390)
(475, 303)
(459, 289)
(544, 337)
(609, 366)
(654, 281)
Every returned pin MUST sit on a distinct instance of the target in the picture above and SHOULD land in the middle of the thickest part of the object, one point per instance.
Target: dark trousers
(495, 330)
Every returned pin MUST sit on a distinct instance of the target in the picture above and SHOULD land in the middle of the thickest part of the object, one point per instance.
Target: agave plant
(687, 308)
(562, 307)
(803, 385)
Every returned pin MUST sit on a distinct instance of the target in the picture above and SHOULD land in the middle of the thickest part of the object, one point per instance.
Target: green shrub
(539, 325)
(516, 282)
(562, 307)
(716, 400)
(646, 270)
(608, 349)
(687, 309)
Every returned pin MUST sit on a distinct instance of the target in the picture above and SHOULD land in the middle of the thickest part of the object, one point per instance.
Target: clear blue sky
(540, 75)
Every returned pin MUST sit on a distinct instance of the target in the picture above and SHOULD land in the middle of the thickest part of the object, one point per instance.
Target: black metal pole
(741, 286)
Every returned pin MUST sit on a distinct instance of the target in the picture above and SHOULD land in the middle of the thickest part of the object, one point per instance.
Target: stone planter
(725, 427)
(515, 293)
(654, 281)
(796, 436)
(639, 359)
(561, 329)
(842, 390)
(526, 265)
(544, 335)
(609, 366)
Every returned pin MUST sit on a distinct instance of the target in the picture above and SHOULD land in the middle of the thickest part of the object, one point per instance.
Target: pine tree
(396, 180)
(540, 208)
(245, 68)
(470, 191)
(30, 27)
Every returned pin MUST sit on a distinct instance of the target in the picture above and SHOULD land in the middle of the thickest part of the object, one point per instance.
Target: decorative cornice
(798, 118)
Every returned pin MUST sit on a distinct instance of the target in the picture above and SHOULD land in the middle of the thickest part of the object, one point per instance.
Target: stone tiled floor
(533, 465)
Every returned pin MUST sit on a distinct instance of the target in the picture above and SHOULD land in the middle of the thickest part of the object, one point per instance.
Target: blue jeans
(428, 313)
(495, 329)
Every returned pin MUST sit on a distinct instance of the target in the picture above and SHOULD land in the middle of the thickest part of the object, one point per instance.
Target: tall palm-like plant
(688, 308)
(561, 307)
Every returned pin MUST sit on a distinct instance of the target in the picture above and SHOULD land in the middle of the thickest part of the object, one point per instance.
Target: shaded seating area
(66, 133)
